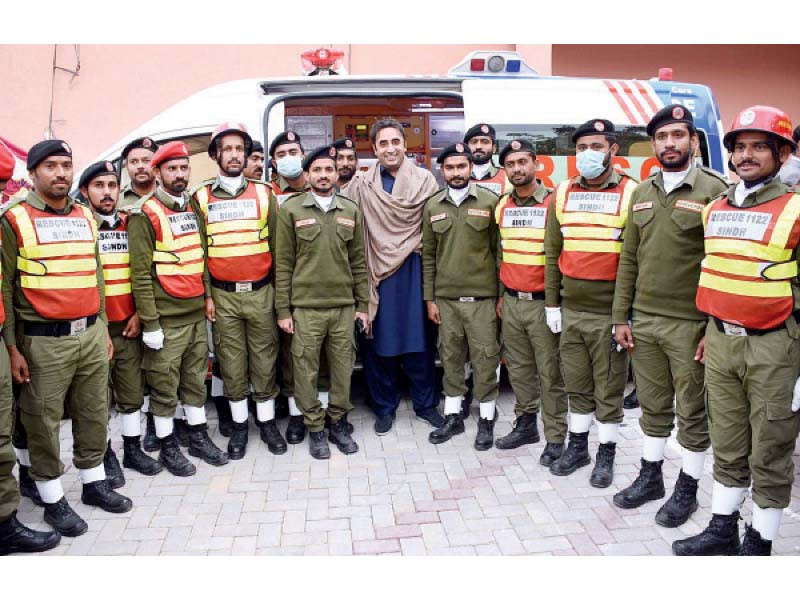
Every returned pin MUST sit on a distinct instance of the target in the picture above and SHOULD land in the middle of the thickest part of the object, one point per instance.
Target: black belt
(58, 328)
(525, 295)
(721, 327)
(241, 286)
(470, 298)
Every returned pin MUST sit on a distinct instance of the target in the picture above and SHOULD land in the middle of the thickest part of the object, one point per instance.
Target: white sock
(180, 413)
(50, 491)
(487, 409)
(767, 521)
(97, 473)
(452, 405)
(608, 433)
(726, 500)
(217, 388)
(23, 456)
(196, 415)
(238, 411)
(693, 463)
(131, 424)
(580, 423)
(653, 450)
(497, 373)
(146, 403)
(293, 410)
(323, 399)
(265, 411)
(163, 426)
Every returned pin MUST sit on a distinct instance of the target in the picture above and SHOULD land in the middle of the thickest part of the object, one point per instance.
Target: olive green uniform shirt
(16, 304)
(319, 259)
(156, 307)
(459, 245)
(660, 262)
(127, 197)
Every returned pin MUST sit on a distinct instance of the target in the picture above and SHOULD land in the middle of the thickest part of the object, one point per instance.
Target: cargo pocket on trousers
(153, 362)
(33, 404)
(779, 406)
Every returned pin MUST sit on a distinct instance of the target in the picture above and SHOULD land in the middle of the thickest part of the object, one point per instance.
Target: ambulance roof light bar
(323, 61)
(492, 63)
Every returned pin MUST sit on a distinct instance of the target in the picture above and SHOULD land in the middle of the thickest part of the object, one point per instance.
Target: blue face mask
(289, 166)
(591, 163)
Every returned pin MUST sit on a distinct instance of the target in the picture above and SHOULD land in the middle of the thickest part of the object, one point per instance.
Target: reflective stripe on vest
(497, 183)
(522, 237)
(56, 261)
(238, 236)
(745, 277)
(178, 256)
(112, 244)
(591, 225)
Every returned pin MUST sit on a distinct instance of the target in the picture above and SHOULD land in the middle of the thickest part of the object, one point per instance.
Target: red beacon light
(665, 74)
(322, 61)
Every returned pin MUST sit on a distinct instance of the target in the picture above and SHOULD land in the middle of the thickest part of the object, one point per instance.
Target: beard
(676, 163)
(458, 183)
(481, 159)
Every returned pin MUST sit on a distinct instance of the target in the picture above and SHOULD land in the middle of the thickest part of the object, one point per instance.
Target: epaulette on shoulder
(436, 193)
(494, 194)
(715, 174)
(202, 184)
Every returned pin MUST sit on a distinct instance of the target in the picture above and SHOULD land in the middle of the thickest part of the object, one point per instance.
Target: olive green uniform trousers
(9, 494)
(126, 375)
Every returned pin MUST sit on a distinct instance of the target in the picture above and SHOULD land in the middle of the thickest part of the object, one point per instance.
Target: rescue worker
(136, 156)
(657, 280)
(240, 218)
(14, 536)
(254, 168)
(582, 246)
(482, 142)
(172, 295)
(56, 334)
(391, 195)
(790, 171)
(321, 290)
(99, 184)
(530, 349)
(458, 229)
(748, 287)
(346, 161)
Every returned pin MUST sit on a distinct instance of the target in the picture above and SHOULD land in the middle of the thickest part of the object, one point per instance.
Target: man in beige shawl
(391, 195)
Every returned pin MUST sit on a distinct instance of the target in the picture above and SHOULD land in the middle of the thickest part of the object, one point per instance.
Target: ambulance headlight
(496, 64)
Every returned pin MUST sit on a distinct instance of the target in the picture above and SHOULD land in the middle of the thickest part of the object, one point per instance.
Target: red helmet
(230, 127)
(766, 119)
(7, 163)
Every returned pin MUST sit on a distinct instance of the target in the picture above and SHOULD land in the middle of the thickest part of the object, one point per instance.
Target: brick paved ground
(398, 495)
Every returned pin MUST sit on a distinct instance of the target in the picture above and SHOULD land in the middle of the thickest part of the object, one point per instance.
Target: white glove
(153, 339)
(553, 317)
(796, 396)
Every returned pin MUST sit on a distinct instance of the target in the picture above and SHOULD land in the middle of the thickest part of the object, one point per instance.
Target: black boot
(134, 458)
(453, 425)
(181, 430)
(271, 436)
(114, 475)
(173, 459)
(150, 441)
(484, 439)
(201, 446)
(27, 486)
(552, 452)
(100, 494)
(603, 472)
(318, 445)
(524, 432)
(281, 407)
(681, 504)
(575, 456)
(348, 425)
(631, 401)
(237, 444)
(648, 485)
(224, 417)
(720, 538)
(296, 430)
(752, 545)
(63, 519)
(340, 435)
(15, 537)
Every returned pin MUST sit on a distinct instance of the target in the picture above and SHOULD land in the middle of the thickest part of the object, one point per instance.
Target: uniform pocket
(442, 225)
(686, 220)
(308, 234)
(643, 217)
(346, 233)
(154, 361)
(478, 223)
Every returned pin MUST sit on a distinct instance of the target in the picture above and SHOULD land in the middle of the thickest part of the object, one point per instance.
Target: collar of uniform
(612, 180)
(103, 224)
(167, 200)
(285, 187)
(385, 172)
(473, 192)
(218, 187)
(690, 179)
(308, 201)
(490, 173)
(537, 198)
(36, 202)
(772, 190)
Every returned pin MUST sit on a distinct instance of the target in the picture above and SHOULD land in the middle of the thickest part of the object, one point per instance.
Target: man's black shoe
(453, 425)
(681, 504)
(575, 456)
(484, 439)
(201, 446)
(271, 436)
(340, 436)
(719, 538)
(318, 445)
(150, 441)
(296, 430)
(603, 472)
(648, 485)
(16, 537)
(114, 475)
(631, 401)
(524, 432)
(63, 519)
(552, 452)
(134, 458)
(383, 424)
(98, 493)
(27, 486)
(753, 544)
(173, 459)
(181, 430)
(237, 444)
(224, 417)
(432, 417)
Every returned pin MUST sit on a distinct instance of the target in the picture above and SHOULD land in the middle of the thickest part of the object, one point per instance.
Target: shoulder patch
(689, 206)
(479, 212)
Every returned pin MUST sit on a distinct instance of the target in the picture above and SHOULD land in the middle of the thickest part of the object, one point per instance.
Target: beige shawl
(392, 222)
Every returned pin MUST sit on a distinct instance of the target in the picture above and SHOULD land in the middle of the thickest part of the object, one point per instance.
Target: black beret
(143, 142)
(46, 149)
(257, 147)
(595, 127)
(285, 137)
(317, 153)
(97, 169)
(516, 146)
(454, 150)
(483, 129)
(344, 144)
(674, 113)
